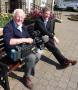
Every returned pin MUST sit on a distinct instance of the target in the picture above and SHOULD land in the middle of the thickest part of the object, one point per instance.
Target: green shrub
(4, 18)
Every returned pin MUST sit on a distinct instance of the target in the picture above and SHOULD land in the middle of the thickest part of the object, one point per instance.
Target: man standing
(15, 33)
(45, 24)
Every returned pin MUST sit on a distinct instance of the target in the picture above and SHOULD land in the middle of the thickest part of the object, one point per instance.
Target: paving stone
(62, 84)
(59, 88)
(74, 76)
(13, 83)
(20, 86)
(70, 89)
(53, 83)
(72, 85)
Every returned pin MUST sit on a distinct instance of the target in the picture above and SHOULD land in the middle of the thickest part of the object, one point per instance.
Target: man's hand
(27, 40)
(56, 40)
(45, 38)
(15, 41)
(59, 20)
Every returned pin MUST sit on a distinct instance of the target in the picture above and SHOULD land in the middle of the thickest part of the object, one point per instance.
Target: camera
(36, 35)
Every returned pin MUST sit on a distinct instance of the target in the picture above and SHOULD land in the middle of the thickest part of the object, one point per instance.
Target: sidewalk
(48, 76)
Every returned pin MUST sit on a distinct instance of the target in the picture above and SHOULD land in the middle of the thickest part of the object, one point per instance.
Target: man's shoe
(65, 65)
(73, 62)
(27, 82)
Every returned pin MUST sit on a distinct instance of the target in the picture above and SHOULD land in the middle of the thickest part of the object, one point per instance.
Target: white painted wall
(28, 4)
(43, 3)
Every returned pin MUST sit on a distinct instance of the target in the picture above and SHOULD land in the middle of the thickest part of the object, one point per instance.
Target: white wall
(43, 3)
(28, 4)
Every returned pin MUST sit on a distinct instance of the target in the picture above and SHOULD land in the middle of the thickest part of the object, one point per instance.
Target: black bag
(25, 49)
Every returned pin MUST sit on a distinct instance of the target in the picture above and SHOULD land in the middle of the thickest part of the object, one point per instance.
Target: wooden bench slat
(13, 67)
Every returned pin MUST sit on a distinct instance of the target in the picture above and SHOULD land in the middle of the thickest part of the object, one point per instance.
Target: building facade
(26, 5)
(3, 5)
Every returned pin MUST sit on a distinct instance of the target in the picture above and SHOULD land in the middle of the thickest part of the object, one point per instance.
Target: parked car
(64, 4)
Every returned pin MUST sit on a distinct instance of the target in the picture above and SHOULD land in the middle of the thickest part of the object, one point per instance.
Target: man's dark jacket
(10, 31)
(49, 29)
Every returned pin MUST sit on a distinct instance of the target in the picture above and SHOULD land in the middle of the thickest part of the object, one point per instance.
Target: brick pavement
(48, 76)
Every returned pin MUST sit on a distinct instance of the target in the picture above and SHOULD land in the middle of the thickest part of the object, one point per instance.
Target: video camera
(36, 35)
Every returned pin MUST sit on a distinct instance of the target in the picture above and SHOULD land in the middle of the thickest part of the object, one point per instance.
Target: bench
(6, 65)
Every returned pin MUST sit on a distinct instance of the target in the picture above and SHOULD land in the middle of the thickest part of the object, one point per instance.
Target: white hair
(19, 11)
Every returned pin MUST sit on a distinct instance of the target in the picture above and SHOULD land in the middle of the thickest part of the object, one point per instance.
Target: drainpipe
(0, 6)
(53, 5)
(34, 4)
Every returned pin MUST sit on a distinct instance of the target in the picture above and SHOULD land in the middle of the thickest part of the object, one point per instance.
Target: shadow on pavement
(49, 61)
